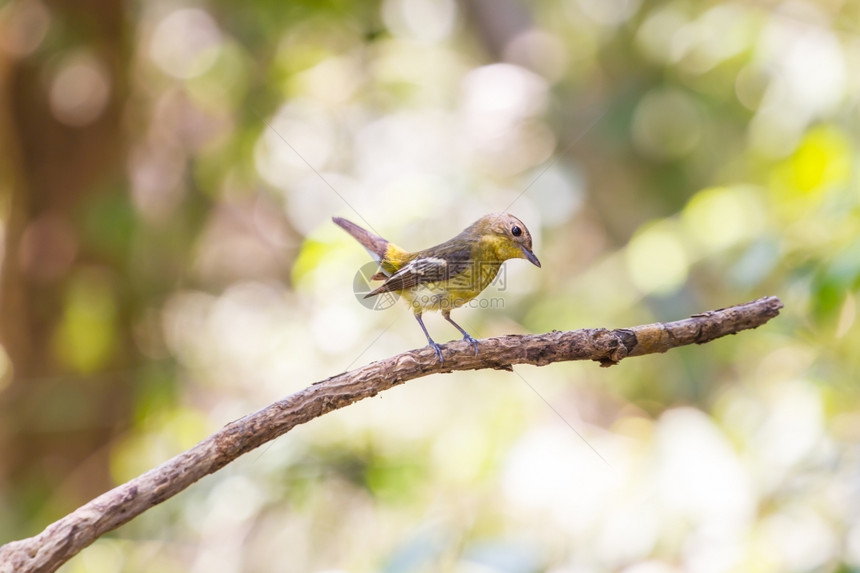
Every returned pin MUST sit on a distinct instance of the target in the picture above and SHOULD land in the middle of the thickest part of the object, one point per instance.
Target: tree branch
(63, 539)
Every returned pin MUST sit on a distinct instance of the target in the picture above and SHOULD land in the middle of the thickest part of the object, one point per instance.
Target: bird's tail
(381, 250)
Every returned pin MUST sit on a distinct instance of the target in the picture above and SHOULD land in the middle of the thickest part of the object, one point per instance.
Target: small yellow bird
(450, 274)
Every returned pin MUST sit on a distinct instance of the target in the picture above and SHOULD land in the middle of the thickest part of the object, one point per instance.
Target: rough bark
(63, 539)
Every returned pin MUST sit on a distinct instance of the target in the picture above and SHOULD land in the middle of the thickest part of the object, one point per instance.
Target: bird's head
(508, 235)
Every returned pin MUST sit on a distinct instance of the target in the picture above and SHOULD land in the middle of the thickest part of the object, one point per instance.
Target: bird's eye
(516, 231)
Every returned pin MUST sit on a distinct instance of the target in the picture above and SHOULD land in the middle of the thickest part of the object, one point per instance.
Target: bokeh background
(168, 171)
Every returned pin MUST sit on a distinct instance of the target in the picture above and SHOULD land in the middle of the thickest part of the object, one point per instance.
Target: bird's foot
(473, 341)
(438, 350)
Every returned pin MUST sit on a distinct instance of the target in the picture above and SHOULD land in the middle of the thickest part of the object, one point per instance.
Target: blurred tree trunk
(55, 420)
(497, 22)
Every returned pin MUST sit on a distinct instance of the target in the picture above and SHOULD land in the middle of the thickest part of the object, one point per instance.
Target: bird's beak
(530, 256)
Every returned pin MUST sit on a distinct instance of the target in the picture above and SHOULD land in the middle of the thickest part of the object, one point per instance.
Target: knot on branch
(611, 346)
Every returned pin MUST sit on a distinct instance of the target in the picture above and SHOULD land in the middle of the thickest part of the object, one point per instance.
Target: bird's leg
(466, 335)
(435, 346)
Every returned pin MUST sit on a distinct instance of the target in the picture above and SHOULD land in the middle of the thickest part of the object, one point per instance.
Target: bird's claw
(438, 350)
(473, 341)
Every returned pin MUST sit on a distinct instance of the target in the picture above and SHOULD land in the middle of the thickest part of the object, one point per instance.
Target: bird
(450, 274)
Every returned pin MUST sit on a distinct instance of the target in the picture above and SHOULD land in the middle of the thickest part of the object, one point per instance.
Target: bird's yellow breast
(454, 292)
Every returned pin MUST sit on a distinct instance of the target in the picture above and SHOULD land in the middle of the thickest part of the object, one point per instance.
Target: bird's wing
(421, 270)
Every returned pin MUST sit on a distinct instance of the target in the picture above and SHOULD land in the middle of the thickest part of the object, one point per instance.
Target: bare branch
(63, 539)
